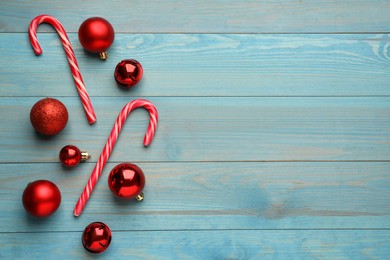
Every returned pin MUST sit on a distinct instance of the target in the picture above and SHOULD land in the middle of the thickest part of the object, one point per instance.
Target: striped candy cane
(74, 67)
(110, 145)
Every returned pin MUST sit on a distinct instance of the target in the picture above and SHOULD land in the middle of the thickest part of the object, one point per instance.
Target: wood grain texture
(211, 196)
(212, 129)
(206, 65)
(273, 140)
(246, 244)
(223, 16)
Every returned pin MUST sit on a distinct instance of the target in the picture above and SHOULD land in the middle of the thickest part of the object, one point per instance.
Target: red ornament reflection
(70, 156)
(96, 237)
(128, 73)
(126, 180)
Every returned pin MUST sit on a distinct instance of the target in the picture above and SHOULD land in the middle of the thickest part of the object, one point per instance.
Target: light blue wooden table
(273, 140)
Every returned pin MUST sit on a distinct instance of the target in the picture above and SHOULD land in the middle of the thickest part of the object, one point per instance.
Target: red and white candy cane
(97, 171)
(74, 67)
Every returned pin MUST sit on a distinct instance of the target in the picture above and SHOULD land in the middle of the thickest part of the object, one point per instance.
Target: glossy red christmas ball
(96, 237)
(70, 156)
(49, 116)
(127, 180)
(96, 35)
(41, 198)
(128, 73)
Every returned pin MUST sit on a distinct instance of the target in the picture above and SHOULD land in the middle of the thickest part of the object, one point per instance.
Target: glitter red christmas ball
(96, 35)
(41, 198)
(126, 180)
(49, 116)
(128, 73)
(96, 237)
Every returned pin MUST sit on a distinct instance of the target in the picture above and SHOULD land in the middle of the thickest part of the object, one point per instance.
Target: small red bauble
(127, 180)
(96, 35)
(70, 156)
(128, 73)
(41, 198)
(96, 237)
(49, 116)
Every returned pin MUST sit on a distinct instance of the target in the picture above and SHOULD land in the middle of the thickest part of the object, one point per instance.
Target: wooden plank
(208, 16)
(212, 129)
(273, 140)
(245, 244)
(206, 65)
(211, 196)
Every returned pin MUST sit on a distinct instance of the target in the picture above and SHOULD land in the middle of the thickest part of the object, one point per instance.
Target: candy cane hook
(110, 145)
(74, 67)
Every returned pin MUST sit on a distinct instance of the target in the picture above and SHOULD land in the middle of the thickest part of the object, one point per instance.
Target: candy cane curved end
(109, 146)
(74, 67)
(32, 30)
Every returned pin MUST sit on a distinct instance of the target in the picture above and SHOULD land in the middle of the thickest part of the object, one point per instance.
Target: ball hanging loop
(140, 197)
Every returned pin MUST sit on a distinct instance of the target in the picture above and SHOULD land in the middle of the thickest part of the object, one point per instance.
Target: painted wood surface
(213, 129)
(207, 65)
(222, 16)
(273, 140)
(211, 196)
(227, 244)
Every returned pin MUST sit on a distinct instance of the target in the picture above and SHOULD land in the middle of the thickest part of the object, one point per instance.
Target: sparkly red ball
(128, 73)
(96, 35)
(70, 156)
(49, 116)
(96, 237)
(41, 198)
(126, 180)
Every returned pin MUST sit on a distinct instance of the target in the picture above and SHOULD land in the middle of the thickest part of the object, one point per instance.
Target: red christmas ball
(70, 155)
(96, 35)
(127, 180)
(41, 198)
(49, 116)
(128, 73)
(96, 237)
